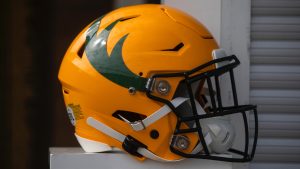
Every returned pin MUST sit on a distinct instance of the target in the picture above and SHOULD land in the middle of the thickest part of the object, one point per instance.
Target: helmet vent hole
(66, 92)
(176, 48)
(130, 116)
(207, 37)
(141, 73)
(128, 18)
(81, 50)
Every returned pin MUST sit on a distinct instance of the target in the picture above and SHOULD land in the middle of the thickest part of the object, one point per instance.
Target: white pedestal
(76, 158)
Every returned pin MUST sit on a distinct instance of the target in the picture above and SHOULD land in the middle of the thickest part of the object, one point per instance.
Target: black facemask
(205, 109)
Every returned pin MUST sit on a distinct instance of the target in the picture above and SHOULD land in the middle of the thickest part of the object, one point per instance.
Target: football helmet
(145, 79)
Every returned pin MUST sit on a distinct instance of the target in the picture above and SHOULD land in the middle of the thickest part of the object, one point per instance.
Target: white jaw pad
(91, 146)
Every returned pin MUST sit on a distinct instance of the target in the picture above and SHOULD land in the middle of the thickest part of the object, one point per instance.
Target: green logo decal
(112, 67)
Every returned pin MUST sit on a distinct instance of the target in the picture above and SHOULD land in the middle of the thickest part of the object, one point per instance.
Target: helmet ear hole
(154, 134)
(130, 116)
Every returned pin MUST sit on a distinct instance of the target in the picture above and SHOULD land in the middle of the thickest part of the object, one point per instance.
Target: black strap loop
(131, 145)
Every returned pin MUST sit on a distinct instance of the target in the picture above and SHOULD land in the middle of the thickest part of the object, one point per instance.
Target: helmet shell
(152, 36)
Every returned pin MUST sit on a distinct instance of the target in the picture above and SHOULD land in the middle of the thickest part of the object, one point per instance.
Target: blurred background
(34, 36)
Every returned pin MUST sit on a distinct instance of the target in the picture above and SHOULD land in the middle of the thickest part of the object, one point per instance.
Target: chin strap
(120, 137)
(163, 111)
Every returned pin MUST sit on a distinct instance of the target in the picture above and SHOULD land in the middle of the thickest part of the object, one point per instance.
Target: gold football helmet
(145, 79)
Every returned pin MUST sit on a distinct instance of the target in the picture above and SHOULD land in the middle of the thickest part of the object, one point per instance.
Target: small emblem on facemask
(74, 113)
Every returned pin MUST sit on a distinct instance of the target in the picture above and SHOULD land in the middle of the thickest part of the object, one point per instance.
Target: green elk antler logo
(111, 67)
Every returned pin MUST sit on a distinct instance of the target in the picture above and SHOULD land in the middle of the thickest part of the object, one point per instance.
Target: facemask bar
(217, 108)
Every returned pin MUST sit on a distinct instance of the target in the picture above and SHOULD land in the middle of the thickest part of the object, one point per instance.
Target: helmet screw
(131, 90)
(182, 142)
(163, 87)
